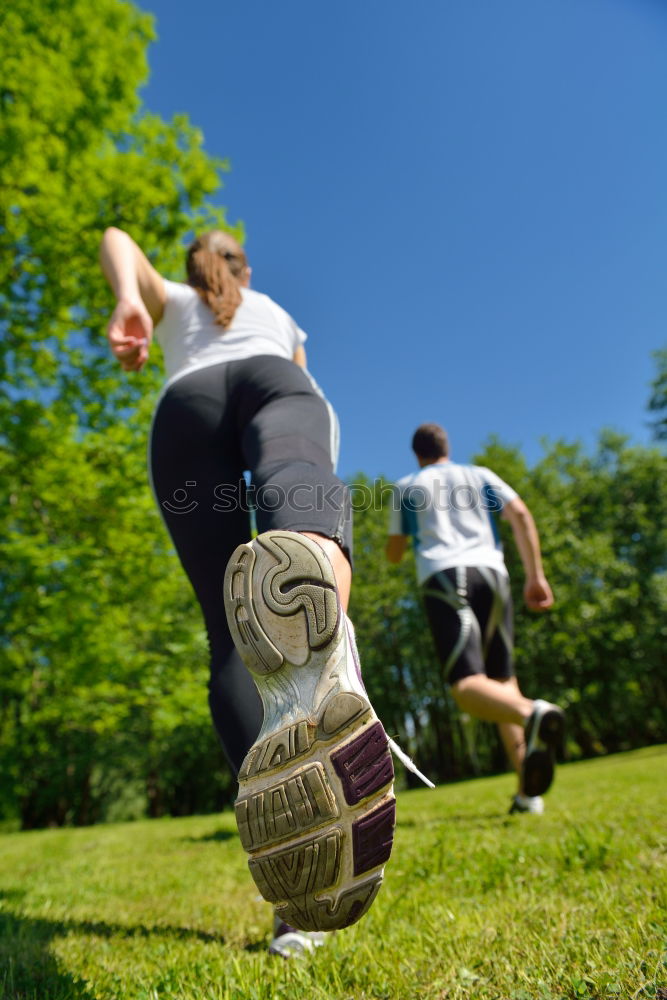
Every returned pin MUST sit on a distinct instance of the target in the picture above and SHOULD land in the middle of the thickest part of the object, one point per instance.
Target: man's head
(430, 444)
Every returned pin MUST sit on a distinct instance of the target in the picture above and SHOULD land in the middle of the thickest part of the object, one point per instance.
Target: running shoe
(288, 942)
(527, 804)
(315, 808)
(545, 730)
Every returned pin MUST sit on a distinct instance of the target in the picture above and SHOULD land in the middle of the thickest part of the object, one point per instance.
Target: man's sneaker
(544, 734)
(315, 808)
(527, 804)
(288, 942)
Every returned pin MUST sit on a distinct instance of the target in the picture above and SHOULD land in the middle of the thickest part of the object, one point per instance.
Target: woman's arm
(140, 295)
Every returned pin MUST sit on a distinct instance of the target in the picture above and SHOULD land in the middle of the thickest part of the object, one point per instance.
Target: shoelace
(407, 762)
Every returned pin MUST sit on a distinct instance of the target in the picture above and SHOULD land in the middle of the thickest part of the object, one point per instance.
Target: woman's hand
(129, 332)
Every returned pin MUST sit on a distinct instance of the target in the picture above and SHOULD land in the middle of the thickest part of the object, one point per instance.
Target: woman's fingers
(129, 333)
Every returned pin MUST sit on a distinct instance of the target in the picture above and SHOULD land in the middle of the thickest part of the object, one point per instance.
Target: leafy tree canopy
(102, 658)
(78, 153)
(657, 403)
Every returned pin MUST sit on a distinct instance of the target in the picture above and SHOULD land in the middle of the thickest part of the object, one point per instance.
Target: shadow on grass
(27, 967)
(218, 836)
(29, 970)
(256, 946)
(470, 819)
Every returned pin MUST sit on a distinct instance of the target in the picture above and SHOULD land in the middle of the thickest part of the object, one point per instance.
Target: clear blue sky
(464, 202)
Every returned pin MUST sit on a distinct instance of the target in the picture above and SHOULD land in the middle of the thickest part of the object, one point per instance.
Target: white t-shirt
(190, 338)
(448, 511)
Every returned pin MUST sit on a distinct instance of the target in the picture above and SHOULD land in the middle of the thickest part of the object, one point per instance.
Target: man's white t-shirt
(190, 338)
(448, 511)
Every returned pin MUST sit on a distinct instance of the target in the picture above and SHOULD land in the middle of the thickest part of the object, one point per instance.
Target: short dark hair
(430, 442)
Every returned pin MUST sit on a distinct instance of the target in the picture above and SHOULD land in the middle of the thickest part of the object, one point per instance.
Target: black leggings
(260, 414)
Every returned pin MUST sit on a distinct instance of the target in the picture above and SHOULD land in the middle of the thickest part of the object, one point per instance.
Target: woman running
(315, 808)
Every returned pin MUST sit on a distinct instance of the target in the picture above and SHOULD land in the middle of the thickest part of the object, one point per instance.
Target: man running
(447, 510)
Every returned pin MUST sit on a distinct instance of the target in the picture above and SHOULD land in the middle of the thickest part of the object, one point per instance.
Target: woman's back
(190, 338)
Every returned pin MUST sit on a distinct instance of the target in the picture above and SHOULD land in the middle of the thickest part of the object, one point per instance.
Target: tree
(79, 154)
(600, 650)
(102, 654)
(658, 400)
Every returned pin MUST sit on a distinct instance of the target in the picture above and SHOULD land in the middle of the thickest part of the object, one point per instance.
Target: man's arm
(396, 546)
(536, 591)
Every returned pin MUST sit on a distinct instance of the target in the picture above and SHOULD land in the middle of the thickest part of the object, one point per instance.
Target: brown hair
(216, 264)
(430, 442)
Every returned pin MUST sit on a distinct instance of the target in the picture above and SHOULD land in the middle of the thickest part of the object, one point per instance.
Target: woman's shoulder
(253, 297)
(180, 300)
(260, 301)
(176, 291)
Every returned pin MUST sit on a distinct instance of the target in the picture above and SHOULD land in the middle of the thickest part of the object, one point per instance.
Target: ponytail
(215, 265)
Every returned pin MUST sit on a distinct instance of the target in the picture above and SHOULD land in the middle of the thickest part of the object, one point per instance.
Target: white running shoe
(288, 942)
(315, 808)
(527, 804)
(545, 730)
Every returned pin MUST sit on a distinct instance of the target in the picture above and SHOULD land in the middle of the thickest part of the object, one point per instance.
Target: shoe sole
(315, 808)
(539, 762)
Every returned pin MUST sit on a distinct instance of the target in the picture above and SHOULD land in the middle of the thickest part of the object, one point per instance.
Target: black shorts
(469, 610)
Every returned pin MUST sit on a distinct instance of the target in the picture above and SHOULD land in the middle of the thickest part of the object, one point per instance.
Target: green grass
(476, 904)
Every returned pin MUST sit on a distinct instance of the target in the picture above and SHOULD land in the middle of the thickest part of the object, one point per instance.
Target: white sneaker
(527, 804)
(545, 730)
(315, 808)
(288, 942)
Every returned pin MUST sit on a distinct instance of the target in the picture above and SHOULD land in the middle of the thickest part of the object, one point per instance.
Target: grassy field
(476, 904)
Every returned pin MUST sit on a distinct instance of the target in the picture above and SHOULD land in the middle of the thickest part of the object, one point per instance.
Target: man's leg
(463, 608)
(492, 700)
(470, 614)
(513, 739)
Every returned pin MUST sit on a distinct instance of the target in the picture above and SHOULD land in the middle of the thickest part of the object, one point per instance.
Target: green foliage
(104, 673)
(600, 652)
(78, 154)
(657, 403)
(102, 661)
(475, 904)
(103, 709)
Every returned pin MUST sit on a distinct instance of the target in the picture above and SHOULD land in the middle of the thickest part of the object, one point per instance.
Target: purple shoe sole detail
(364, 765)
(372, 837)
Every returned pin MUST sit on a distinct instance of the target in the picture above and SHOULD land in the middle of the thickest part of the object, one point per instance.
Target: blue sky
(463, 202)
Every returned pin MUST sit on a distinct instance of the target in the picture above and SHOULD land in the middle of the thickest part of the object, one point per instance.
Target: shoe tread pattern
(301, 581)
(256, 649)
(315, 809)
(286, 808)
